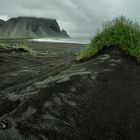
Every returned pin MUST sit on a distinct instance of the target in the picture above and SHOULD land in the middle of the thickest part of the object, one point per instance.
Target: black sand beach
(51, 97)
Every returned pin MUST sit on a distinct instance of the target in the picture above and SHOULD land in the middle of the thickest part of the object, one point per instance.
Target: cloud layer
(81, 18)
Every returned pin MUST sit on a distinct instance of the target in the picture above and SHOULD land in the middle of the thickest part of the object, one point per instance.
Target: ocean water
(63, 40)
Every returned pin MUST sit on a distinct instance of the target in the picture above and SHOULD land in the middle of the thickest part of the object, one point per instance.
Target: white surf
(63, 40)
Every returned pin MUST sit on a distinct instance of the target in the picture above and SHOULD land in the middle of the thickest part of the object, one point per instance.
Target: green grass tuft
(120, 32)
(18, 47)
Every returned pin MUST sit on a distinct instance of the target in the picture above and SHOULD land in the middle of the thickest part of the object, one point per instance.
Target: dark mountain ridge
(30, 27)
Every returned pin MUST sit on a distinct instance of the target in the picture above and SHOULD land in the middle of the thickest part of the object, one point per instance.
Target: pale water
(63, 40)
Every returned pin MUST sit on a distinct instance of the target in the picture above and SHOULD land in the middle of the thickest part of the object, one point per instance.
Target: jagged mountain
(30, 27)
(2, 27)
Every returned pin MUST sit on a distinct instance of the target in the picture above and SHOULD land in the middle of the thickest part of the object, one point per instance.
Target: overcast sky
(80, 18)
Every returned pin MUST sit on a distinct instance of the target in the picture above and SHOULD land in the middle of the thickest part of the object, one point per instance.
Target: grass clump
(4, 46)
(120, 32)
(18, 47)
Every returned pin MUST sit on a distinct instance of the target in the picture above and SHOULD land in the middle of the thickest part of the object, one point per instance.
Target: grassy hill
(120, 32)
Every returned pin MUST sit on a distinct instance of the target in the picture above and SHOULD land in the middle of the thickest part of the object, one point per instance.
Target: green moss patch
(19, 47)
(120, 32)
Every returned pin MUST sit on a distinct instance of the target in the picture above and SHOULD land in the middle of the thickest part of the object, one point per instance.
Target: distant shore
(57, 48)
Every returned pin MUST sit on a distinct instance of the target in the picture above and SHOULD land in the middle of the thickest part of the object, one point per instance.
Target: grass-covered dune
(18, 47)
(120, 32)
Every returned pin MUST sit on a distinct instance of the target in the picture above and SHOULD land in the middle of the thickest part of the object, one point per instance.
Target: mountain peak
(30, 27)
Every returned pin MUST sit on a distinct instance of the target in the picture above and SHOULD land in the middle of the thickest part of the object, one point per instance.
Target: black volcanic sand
(51, 97)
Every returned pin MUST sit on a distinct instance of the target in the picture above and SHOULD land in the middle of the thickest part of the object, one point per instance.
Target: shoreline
(49, 47)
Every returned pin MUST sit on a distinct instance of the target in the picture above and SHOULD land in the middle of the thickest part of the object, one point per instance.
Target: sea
(64, 40)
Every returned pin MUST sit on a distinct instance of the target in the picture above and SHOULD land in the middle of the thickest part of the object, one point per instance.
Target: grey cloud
(81, 18)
